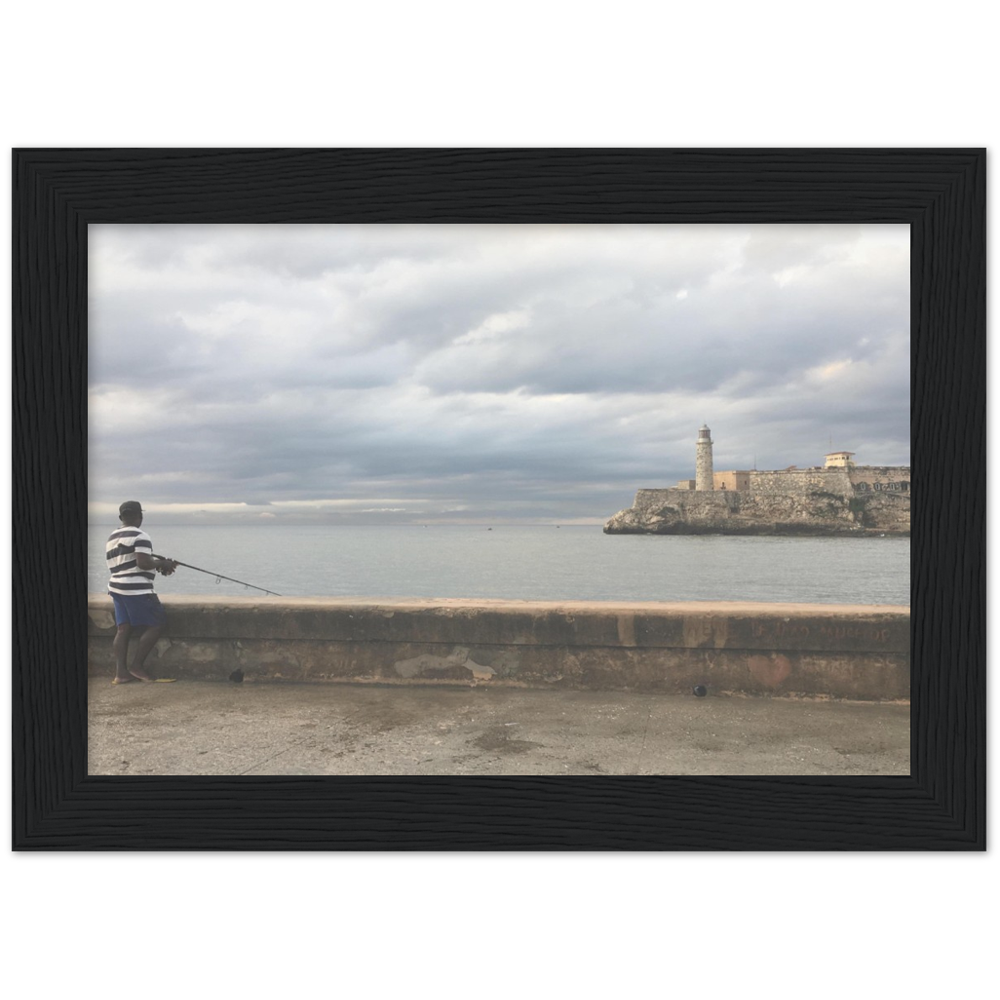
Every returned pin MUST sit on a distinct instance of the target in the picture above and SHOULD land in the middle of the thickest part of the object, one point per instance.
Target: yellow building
(735, 479)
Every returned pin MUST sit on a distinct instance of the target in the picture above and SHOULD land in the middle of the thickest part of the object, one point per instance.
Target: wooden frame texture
(941, 194)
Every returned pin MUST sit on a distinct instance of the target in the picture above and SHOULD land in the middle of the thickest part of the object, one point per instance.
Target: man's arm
(159, 564)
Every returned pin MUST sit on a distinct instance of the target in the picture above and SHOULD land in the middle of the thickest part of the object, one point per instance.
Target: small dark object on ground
(700, 690)
(236, 676)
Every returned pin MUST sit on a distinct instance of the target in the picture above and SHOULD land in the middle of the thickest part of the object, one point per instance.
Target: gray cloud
(397, 372)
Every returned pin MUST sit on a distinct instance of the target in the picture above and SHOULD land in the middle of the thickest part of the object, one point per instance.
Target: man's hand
(166, 566)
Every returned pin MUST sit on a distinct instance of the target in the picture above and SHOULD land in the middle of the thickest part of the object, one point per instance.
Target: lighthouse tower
(703, 479)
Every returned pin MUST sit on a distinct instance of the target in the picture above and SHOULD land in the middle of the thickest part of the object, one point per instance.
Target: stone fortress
(836, 498)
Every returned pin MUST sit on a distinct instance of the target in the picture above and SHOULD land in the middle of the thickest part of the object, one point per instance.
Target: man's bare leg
(120, 646)
(146, 643)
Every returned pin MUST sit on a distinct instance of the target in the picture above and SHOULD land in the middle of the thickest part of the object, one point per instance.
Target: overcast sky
(359, 374)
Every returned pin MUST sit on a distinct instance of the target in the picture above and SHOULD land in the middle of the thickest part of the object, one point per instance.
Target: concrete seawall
(840, 651)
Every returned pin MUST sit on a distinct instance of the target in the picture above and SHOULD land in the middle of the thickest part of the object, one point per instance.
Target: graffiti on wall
(896, 487)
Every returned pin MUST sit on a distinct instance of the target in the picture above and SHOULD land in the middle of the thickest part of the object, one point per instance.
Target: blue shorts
(139, 610)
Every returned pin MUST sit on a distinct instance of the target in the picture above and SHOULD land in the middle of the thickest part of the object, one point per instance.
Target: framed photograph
(70, 204)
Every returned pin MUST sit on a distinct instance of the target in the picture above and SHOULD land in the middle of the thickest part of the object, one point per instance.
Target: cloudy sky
(481, 374)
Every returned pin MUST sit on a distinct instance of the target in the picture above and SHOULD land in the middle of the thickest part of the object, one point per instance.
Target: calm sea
(523, 562)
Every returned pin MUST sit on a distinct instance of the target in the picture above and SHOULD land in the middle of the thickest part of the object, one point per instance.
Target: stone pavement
(201, 727)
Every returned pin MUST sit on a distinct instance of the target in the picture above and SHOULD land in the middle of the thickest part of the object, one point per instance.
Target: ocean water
(521, 562)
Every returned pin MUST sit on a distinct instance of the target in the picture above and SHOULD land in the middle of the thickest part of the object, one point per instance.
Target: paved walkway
(200, 727)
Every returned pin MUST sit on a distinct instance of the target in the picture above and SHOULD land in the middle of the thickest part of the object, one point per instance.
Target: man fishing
(133, 567)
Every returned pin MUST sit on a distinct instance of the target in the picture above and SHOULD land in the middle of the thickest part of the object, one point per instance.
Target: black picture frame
(940, 193)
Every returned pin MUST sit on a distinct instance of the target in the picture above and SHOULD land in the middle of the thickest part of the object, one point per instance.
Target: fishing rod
(218, 576)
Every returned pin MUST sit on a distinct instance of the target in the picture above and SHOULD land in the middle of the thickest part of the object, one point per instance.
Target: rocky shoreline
(812, 513)
(783, 530)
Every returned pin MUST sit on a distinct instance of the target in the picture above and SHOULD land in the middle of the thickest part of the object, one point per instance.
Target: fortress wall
(695, 504)
(801, 481)
(793, 649)
(650, 498)
(793, 482)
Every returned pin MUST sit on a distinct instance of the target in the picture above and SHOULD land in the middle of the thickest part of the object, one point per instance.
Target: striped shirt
(126, 577)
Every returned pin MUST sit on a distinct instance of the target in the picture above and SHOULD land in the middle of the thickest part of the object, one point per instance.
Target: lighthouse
(703, 478)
